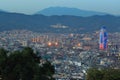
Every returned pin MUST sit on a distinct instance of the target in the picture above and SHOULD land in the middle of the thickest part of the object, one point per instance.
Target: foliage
(104, 74)
(24, 65)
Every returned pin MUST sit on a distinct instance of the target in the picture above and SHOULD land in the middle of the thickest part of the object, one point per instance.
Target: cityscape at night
(71, 54)
(59, 40)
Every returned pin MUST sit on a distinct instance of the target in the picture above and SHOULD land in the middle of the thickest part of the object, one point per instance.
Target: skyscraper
(103, 39)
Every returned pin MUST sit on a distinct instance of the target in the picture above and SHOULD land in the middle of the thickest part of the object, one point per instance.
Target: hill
(68, 11)
(58, 24)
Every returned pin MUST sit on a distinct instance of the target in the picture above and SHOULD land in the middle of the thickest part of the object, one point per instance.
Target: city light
(49, 44)
(79, 44)
(56, 43)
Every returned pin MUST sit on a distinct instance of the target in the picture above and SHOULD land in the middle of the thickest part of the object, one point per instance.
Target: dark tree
(24, 65)
(104, 74)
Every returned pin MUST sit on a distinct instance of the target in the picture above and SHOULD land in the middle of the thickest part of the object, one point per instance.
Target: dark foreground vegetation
(103, 74)
(24, 65)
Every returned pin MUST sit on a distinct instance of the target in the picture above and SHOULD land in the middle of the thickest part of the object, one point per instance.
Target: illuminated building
(103, 39)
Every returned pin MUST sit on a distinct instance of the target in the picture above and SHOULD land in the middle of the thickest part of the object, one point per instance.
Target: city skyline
(32, 6)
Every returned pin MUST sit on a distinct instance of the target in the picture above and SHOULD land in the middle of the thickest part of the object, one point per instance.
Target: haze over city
(32, 6)
(59, 40)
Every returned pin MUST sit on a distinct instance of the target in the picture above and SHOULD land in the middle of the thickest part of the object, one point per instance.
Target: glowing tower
(103, 39)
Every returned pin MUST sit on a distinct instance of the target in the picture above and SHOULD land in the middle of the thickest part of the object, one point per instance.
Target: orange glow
(49, 43)
(37, 39)
(79, 44)
(56, 43)
(33, 40)
(101, 46)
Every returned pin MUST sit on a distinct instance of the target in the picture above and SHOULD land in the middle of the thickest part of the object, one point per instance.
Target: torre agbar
(103, 39)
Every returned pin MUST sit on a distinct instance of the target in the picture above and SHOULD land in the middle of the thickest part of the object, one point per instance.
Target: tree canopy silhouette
(103, 74)
(24, 65)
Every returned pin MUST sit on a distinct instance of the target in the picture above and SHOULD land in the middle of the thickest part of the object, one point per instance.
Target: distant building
(103, 39)
(24, 43)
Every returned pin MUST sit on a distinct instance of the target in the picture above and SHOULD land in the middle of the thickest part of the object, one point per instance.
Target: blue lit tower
(103, 39)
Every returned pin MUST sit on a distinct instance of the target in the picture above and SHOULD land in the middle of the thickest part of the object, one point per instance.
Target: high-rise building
(103, 39)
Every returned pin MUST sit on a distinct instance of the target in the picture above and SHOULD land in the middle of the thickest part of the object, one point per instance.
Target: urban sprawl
(71, 54)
